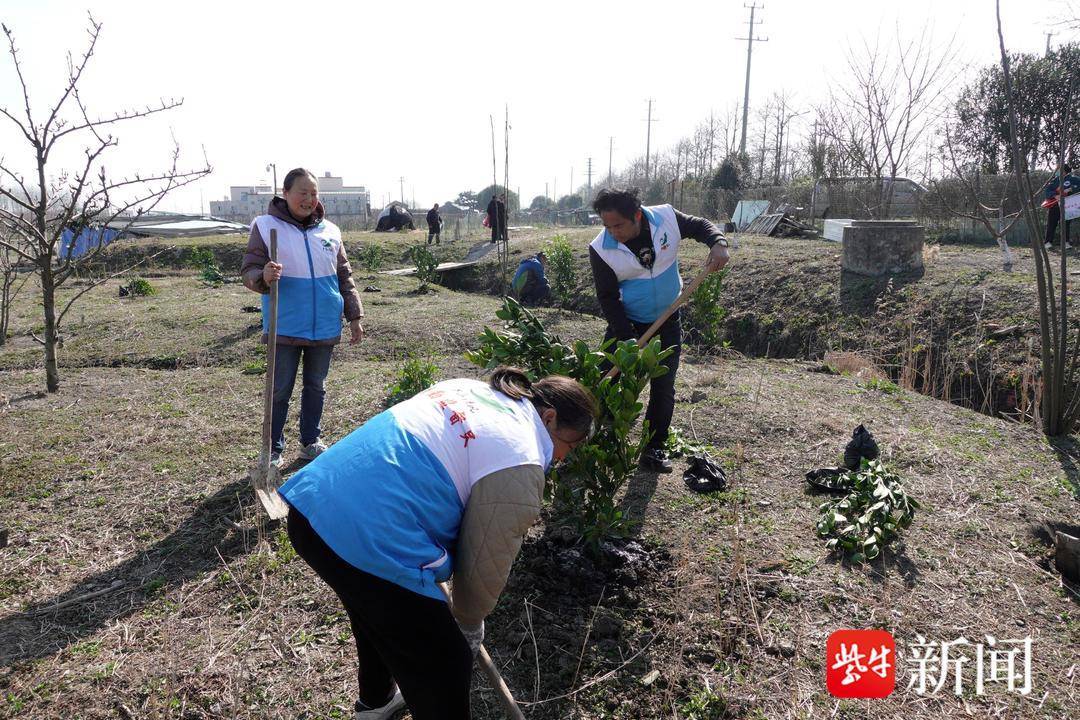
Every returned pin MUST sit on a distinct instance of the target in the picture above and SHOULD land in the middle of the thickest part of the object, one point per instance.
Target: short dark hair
(625, 202)
(294, 174)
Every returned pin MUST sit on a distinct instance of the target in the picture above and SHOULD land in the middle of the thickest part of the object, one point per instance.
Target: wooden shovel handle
(679, 302)
(271, 352)
(492, 673)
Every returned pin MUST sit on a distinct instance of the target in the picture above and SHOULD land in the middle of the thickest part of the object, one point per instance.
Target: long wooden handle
(271, 352)
(492, 673)
(679, 301)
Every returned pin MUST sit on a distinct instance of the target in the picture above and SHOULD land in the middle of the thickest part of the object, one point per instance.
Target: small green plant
(415, 375)
(203, 260)
(705, 314)
(254, 367)
(704, 705)
(677, 445)
(585, 484)
(872, 514)
(561, 270)
(372, 257)
(200, 257)
(425, 262)
(886, 387)
(141, 287)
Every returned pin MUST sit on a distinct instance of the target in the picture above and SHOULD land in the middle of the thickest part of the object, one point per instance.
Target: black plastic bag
(702, 475)
(862, 445)
(828, 479)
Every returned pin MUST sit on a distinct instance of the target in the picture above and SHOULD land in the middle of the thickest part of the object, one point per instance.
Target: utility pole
(750, 40)
(648, 141)
(401, 183)
(273, 190)
(588, 170)
(610, 150)
(571, 179)
(546, 191)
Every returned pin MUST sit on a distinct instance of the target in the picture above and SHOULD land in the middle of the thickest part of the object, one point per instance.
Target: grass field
(141, 581)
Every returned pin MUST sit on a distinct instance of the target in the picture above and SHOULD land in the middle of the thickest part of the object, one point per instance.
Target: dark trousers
(434, 231)
(316, 366)
(498, 231)
(400, 635)
(1052, 219)
(661, 389)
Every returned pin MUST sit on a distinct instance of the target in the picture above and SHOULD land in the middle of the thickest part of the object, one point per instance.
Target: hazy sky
(374, 91)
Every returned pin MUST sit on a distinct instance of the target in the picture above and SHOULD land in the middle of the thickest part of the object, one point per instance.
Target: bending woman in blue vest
(445, 483)
(315, 287)
(635, 266)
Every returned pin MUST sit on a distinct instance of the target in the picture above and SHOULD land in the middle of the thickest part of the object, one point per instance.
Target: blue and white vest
(646, 292)
(309, 297)
(389, 498)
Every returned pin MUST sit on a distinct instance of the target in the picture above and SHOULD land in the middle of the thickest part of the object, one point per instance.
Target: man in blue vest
(636, 270)
(530, 285)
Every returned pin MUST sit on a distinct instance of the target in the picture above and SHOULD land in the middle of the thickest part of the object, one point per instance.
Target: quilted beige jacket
(501, 508)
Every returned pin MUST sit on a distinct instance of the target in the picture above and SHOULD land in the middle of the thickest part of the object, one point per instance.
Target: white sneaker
(312, 451)
(275, 459)
(1068, 246)
(387, 711)
(1049, 246)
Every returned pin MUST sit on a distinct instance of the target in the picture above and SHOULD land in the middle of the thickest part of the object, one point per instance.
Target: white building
(342, 202)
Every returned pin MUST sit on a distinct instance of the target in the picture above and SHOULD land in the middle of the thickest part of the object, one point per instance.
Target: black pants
(400, 635)
(434, 231)
(661, 389)
(498, 231)
(1052, 219)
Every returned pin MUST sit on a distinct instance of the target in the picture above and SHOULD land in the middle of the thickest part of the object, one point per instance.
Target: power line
(750, 40)
(610, 148)
(588, 171)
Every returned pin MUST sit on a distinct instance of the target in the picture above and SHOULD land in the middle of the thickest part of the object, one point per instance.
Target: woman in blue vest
(315, 287)
(445, 483)
(635, 267)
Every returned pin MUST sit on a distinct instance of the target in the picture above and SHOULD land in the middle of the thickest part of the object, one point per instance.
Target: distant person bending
(434, 224)
(1069, 184)
(529, 285)
(635, 267)
(315, 287)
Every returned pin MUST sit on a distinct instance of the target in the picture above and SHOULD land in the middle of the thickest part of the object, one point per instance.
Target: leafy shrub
(870, 517)
(415, 375)
(584, 486)
(705, 314)
(372, 257)
(562, 274)
(141, 287)
(202, 259)
(425, 262)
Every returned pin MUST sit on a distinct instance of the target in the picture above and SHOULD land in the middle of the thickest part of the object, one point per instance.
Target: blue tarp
(89, 239)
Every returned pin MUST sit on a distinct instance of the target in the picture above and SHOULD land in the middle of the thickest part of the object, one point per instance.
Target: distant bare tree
(11, 283)
(878, 121)
(1059, 401)
(81, 198)
(968, 201)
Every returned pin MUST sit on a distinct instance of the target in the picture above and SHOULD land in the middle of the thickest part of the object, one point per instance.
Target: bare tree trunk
(48, 300)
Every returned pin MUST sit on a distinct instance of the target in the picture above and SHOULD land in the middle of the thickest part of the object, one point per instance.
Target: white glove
(473, 635)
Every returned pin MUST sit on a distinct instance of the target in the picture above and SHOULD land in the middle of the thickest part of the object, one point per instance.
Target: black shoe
(655, 460)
